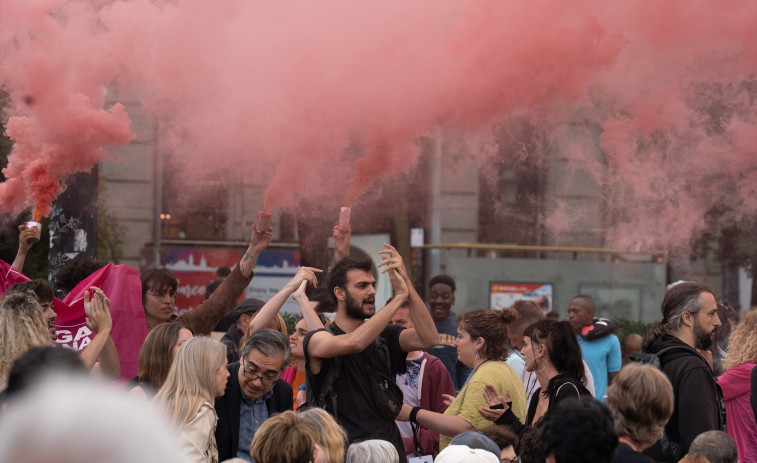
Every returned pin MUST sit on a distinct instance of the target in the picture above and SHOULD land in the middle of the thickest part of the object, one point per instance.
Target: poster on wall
(502, 294)
(195, 268)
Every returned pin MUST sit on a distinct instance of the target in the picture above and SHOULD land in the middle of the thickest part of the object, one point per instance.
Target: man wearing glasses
(257, 393)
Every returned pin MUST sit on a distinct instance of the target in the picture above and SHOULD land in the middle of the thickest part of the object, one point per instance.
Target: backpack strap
(327, 386)
(383, 350)
(670, 348)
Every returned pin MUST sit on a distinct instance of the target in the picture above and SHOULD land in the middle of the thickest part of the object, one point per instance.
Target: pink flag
(123, 287)
(9, 276)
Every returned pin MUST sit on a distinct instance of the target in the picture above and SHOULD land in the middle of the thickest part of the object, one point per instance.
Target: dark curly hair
(75, 272)
(40, 288)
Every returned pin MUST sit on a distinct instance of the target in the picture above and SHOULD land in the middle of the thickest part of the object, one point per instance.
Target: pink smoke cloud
(332, 95)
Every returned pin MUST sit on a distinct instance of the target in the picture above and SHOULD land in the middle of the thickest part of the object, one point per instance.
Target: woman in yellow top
(482, 344)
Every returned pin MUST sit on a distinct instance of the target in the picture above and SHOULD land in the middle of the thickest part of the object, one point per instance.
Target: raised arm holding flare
(26, 238)
(159, 290)
(341, 235)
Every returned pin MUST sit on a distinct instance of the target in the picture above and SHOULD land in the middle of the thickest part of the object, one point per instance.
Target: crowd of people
(411, 381)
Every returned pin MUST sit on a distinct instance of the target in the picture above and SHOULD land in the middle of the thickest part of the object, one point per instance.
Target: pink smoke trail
(55, 73)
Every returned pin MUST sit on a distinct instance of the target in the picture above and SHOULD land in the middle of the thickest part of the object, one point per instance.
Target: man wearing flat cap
(242, 314)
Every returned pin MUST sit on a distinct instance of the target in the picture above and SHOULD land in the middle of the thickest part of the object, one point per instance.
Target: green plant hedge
(624, 327)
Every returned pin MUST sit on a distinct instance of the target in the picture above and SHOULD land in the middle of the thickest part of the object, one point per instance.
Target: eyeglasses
(514, 460)
(162, 294)
(252, 375)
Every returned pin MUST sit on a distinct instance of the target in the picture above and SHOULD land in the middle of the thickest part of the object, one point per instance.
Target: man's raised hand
(390, 255)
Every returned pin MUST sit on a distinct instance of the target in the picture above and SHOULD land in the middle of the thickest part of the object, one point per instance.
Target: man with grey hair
(716, 446)
(689, 319)
(254, 393)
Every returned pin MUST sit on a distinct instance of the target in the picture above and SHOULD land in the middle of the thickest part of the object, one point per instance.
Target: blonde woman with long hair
(736, 386)
(22, 326)
(197, 376)
(331, 437)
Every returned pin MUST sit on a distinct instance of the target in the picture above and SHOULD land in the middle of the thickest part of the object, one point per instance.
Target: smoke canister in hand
(263, 222)
(344, 217)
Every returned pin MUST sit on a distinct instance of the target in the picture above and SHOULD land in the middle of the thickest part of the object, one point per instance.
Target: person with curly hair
(18, 329)
(736, 386)
(22, 326)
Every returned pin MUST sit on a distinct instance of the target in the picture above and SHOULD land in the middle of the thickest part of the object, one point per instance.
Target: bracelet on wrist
(414, 415)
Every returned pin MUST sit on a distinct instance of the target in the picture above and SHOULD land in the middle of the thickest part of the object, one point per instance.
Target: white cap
(465, 454)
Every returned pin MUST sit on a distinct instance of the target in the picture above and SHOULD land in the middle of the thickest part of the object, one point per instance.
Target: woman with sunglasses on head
(550, 350)
(197, 376)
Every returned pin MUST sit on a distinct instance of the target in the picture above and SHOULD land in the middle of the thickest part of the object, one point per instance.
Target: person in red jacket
(423, 385)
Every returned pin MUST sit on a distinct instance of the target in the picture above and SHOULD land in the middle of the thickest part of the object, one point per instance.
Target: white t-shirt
(408, 382)
(516, 362)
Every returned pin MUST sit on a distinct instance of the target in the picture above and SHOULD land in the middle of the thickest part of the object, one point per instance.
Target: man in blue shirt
(600, 348)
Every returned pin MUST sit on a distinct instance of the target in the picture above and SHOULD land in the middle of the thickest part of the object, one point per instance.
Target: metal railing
(656, 255)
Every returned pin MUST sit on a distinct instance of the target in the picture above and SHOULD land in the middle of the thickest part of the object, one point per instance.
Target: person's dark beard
(354, 308)
(702, 339)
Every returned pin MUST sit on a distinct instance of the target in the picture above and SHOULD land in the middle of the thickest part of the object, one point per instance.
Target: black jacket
(231, 340)
(696, 408)
(227, 408)
(565, 388)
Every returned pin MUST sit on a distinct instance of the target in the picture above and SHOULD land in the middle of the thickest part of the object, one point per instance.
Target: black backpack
(387, 396)
(654, 359)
